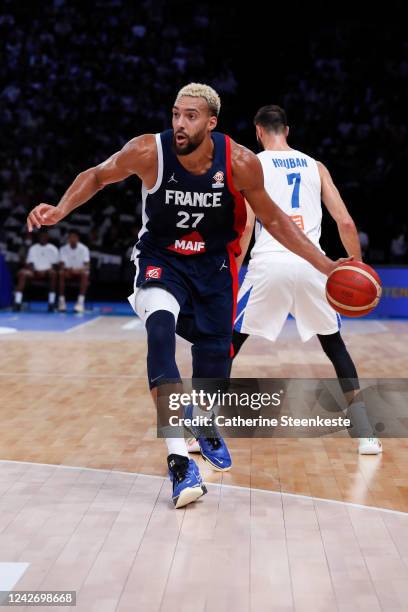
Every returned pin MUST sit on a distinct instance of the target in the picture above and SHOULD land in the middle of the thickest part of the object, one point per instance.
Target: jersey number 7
(295, 178)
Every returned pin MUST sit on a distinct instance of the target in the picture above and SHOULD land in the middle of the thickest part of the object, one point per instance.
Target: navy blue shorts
(205, 286)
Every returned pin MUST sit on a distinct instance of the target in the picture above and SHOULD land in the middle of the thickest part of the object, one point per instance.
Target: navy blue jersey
(185, 214)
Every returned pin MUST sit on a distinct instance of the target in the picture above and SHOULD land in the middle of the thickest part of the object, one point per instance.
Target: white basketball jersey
(292, 180)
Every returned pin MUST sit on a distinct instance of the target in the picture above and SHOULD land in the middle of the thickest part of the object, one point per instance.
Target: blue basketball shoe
(188, 485)
(212, 446)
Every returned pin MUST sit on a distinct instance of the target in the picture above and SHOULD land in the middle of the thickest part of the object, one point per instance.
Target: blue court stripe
(44, 322)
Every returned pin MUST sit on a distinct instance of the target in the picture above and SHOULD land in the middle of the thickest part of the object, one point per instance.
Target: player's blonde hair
(199, 90)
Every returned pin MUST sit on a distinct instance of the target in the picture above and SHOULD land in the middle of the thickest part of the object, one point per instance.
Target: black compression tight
(336, 351)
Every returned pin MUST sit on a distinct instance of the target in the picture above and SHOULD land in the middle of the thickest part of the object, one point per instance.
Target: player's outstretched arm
(138, 157)
(246, 236)
(248, 178)
(338, 210)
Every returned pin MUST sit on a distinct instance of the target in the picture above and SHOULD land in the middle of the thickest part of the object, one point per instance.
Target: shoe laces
(212, 436)
(179, 471)
(215, 443)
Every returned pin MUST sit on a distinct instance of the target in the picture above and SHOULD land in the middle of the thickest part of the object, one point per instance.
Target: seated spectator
(94, 239)
(399, 247)
(74, 266)
(42, 259)
(364, 242)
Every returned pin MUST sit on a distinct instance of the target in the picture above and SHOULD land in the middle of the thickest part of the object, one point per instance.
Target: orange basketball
(353, 289)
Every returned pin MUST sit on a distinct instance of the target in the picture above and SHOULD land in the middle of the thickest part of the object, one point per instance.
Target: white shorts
(277, 284)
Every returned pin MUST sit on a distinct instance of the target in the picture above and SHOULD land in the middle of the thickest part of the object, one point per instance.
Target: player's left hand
(43, 214)
(336, 263)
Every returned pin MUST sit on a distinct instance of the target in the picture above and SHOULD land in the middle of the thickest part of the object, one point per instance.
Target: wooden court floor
(80, 398)
(295, 525)
(115, 540)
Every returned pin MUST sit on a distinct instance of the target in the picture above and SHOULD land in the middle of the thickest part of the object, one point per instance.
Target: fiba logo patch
(153, 272)
(219, 180)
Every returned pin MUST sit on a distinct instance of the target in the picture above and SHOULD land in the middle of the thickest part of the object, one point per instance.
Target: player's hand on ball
(338, 262)
(353, 289)
(43, 214)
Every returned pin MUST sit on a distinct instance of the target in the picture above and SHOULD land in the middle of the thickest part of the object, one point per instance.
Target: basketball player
(278, 281)
(194, 184)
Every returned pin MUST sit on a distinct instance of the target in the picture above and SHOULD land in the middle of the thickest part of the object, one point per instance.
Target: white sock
(18, 296)
(51, 297)
(81, 299)
(62, 298)
(177, 446)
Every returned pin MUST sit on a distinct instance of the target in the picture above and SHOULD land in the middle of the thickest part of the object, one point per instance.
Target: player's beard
(191, 145)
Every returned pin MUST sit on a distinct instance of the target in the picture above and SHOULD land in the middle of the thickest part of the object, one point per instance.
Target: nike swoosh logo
(157, 378)
(220, 461)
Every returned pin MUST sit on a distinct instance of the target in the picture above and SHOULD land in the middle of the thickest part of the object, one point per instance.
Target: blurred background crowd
(80, 79)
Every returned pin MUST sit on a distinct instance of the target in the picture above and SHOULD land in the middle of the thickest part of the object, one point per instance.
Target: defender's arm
(338, 210)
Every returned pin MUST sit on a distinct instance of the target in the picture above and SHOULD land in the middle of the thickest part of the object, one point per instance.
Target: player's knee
(160, 327)
(217, 346)
(212, 358)
(332, 344)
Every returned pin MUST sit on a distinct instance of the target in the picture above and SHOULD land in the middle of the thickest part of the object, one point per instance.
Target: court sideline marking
(214, 485)
(82, 325)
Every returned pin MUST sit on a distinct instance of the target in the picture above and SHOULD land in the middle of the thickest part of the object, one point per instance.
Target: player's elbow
(346, 224)
(271, 225)
(92, 175)
(274, 229)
